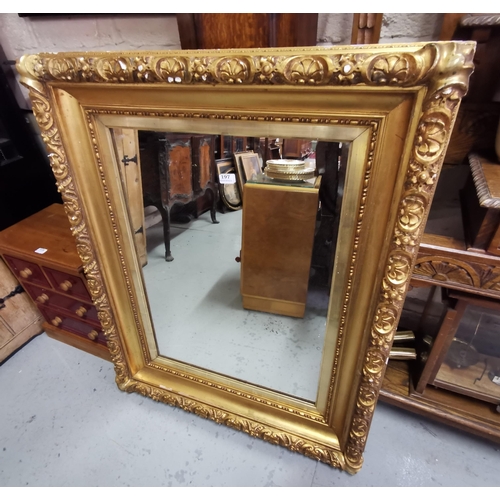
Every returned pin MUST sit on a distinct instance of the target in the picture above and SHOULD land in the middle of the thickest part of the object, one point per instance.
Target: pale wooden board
(127, 144)
(19, 319)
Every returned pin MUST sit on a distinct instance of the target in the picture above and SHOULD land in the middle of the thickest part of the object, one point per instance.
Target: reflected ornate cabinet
(178, 176)
(277, 244)
(41, 253)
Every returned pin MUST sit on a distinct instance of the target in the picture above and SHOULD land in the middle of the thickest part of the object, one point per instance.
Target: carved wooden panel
(179, 171)
(205, 161)
(458, 269)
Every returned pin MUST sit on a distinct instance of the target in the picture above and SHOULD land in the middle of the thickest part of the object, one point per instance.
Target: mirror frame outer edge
(443, 68)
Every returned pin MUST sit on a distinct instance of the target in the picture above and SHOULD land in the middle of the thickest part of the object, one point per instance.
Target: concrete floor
(65, 423)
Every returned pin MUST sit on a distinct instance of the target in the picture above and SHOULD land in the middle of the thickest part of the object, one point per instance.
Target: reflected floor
(199, 318)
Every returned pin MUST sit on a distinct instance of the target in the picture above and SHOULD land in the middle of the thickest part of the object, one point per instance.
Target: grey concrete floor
(65, 423)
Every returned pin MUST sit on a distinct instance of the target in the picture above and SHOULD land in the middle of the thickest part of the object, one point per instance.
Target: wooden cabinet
(277, 243)
(178, 175)
(41, 253)
(219, 31)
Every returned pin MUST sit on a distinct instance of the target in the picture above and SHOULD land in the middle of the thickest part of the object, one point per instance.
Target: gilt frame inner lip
(435, 75)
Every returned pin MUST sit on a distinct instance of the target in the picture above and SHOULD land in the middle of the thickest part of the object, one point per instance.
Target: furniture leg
(165, 217)
(214, 202)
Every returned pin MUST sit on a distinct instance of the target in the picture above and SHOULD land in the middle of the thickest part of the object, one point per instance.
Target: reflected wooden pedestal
(278, 234)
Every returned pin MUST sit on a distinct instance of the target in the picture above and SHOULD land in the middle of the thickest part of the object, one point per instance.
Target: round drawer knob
(56, 321)
(42, 298)
(65, 285)
(81, 311)
(26, 272)
(92, 335)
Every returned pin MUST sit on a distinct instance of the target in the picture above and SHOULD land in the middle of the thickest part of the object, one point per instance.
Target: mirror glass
(237, 265)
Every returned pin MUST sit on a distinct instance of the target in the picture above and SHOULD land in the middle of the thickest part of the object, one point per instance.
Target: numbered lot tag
(227, 178)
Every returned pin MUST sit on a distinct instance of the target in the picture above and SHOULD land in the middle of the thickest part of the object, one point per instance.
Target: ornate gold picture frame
(395, 106)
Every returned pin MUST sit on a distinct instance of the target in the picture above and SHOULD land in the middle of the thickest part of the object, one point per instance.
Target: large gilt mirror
(264, 303)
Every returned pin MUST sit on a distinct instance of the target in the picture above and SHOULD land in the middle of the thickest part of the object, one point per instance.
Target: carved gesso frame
(437, 72)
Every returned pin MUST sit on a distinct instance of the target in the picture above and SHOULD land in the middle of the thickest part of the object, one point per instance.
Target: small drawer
(47, 297)
(81, 328)
(27, 271)
(68, 284)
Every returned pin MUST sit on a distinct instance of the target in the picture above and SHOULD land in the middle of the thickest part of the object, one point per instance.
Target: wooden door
(126, 143)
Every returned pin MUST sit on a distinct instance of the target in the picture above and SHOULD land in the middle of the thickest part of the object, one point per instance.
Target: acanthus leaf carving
(374, 362)
(329, 67)
(396, 69)
(115, 70)
(170, 69)
(398, 269)
(234, 70)
(63, 69)
(450, 270)
(312, 70)
(412, 210)
(431, 135)
(385, 319)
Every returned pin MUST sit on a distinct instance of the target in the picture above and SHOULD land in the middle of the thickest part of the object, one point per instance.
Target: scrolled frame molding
(443, 69)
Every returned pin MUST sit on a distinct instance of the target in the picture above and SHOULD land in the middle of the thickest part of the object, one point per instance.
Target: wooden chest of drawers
(41, 252)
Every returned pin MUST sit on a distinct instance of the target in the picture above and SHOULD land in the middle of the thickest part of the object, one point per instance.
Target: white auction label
(227, 178)
(40, 250)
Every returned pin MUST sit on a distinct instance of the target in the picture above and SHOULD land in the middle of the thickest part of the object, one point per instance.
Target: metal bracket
(126, 160)
(18, 289)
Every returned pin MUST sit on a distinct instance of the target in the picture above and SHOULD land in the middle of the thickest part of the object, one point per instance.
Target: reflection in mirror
(244, 293)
